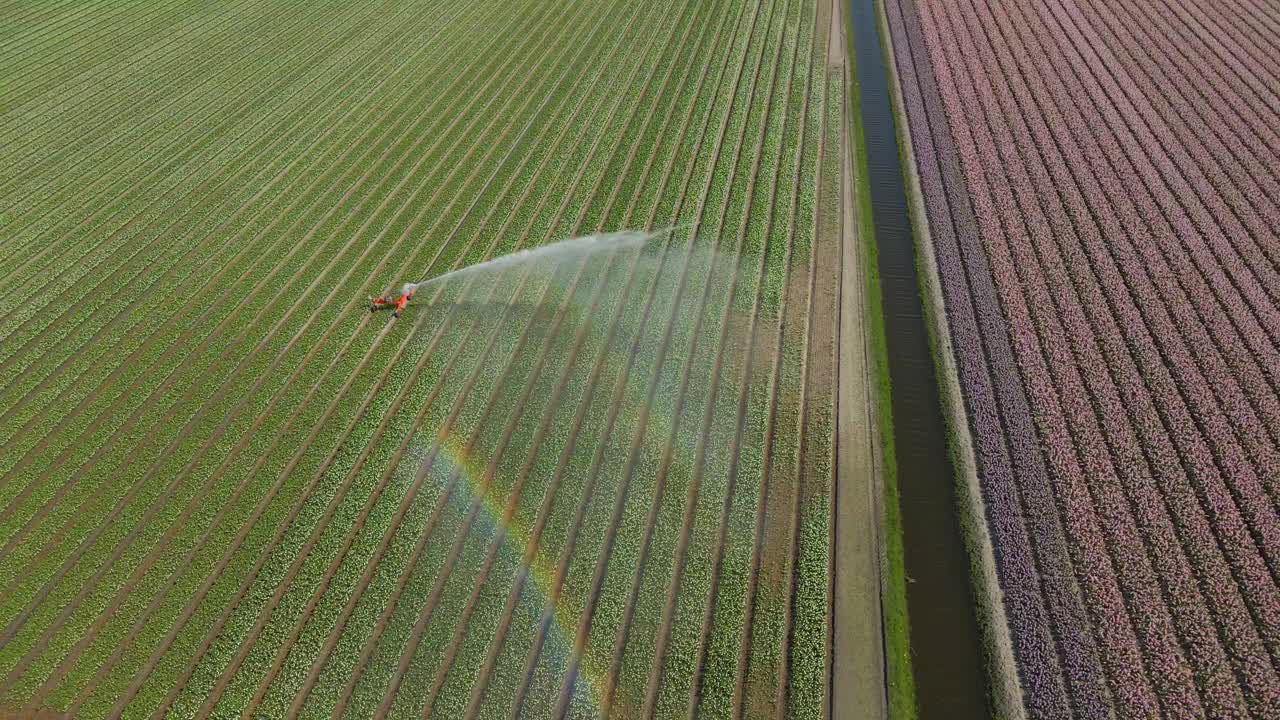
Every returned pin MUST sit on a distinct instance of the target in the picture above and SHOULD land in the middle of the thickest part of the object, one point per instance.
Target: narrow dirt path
(858, 663)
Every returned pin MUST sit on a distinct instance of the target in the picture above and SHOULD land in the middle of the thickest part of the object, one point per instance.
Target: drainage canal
(946, 654)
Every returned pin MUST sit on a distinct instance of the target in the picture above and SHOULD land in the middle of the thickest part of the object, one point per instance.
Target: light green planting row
(264, 308)
(557, 641)
(117, 334)
(518, 319)
(434, 637)
(768, 451)
(187, 145)
(40, 488)
(627, 104)
(481, 393)
(673, 679)
(750, 253)
(66, 107)
(736, 455)
(531, 604)
(813, 560)
(68, 45)
(585, 489)
(138, 465)
(151, 312)
(266, 315)
(648, 487)
(585, 569)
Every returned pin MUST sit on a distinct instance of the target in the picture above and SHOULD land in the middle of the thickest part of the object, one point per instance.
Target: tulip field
(603, 485)
(1100, 186)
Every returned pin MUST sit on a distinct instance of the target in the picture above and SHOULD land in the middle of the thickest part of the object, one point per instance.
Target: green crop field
(603, 485)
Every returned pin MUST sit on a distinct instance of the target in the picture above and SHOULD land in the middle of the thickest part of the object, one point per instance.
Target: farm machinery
(394, 300)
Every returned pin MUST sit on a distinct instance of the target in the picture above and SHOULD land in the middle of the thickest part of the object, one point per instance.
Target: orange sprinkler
(376, 304)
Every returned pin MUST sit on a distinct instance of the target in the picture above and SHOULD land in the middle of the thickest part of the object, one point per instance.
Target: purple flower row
(1052, 643)
(1131, 278)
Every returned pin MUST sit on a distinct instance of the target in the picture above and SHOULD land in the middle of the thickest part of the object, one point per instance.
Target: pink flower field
(1102, 188)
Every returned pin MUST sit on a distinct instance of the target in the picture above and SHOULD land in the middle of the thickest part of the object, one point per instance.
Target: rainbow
(539, 568)
(517, 536)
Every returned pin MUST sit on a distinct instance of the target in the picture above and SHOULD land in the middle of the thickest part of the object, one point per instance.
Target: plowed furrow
(249, 643)
(424, 616)
(301, 296)
(204, 270)
(534, 542)
(402, 237)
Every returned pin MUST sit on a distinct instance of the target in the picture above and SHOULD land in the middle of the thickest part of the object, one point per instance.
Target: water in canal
(947, 656)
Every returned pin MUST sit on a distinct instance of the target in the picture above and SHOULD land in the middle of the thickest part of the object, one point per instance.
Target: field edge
(1003, 685)
(895, 619)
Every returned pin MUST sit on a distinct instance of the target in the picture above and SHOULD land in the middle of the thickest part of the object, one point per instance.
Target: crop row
(531, 613)
(524, 318)
(366, 647)
(618, 682)
(596, 192)
(92, 201)
(62, 37)
(391, 363)
(1220, 693)
(71, 108)
(267, 305)
(229, 149)
(1140, 335)
(391, 360)
(567, 677)
(615, 151)
(746, 371)
(124, 341)
(620, 456)
(80, 285)
(764, 663)
(247, 291)
(600, 488)
(810, 611)
(536, 329)
(178, 212)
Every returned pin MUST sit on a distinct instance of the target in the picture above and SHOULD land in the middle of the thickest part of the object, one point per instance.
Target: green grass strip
(897, 625)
